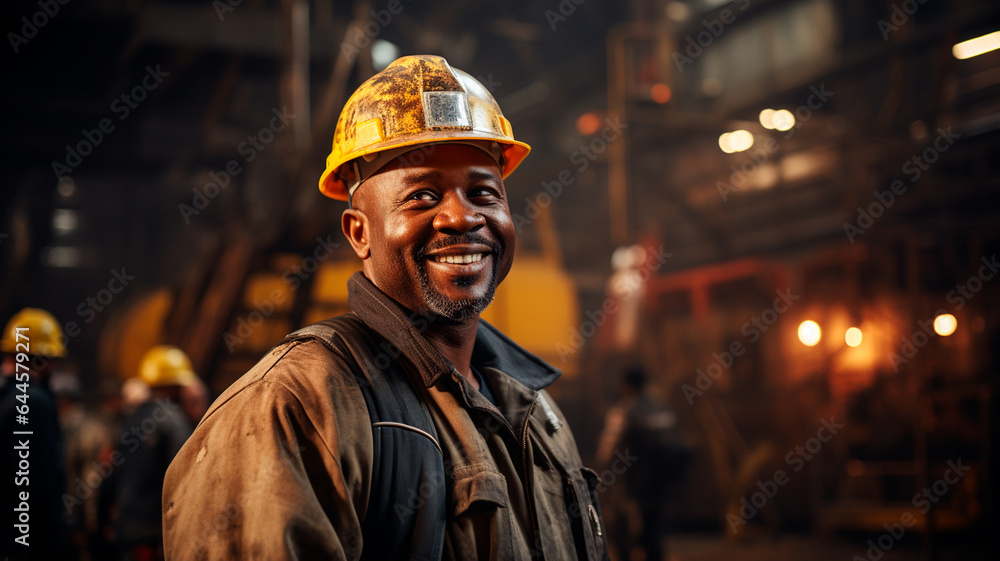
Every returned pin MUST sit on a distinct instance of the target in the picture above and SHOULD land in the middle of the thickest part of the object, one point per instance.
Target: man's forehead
(436, 161)
(432, 174)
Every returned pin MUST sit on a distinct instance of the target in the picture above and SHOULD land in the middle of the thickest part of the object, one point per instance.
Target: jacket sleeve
(279, 469)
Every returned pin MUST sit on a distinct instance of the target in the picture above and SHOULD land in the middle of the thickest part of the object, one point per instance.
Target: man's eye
(479, 192)
(423, 196)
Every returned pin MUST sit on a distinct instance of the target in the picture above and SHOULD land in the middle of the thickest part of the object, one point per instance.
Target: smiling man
(407, 428)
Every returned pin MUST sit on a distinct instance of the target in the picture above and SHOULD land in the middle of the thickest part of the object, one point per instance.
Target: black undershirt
(483, 387)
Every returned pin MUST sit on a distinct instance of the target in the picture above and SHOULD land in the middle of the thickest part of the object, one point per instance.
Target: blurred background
(784, 211)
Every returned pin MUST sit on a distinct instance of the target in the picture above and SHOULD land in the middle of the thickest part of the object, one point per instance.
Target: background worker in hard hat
(151, 436)
(291, 461)
(32, 344)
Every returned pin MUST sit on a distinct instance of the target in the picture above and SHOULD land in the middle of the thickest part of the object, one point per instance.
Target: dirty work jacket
(280, 467)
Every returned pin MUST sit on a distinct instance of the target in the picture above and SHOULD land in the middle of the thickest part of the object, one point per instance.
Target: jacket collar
(404, 330)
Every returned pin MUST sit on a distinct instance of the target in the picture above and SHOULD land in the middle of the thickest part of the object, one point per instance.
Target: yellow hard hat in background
(416, 100)
(165, 365)
(43, 337)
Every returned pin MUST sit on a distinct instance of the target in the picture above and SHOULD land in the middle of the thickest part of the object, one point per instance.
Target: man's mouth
(459, 259)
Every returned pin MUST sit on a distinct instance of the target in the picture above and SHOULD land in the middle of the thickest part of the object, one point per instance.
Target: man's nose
(457, 215)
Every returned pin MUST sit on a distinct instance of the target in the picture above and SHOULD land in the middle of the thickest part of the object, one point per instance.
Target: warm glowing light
(783, 120)
(945, 325)
(588, 123)
(724, 143)
(740, 140)
(809, 333)
(853, 337)
(736, 141)
(660, 93)
(977, 46)
(767, 118)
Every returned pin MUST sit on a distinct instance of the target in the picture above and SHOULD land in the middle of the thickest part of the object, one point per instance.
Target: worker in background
(194, 400)
(33, 524)
(151, 436)
(407, 428)
(87, 437)
(641, 444)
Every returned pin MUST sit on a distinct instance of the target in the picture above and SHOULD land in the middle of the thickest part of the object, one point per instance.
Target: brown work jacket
(280, 468)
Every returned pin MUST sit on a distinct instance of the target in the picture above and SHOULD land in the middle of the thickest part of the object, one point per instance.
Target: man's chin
(458, 308)
(457, 298)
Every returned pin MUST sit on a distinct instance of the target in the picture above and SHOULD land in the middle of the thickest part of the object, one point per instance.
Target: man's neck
(455, 341)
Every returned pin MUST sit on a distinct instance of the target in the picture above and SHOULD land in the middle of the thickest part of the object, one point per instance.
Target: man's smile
(461, 259)
(458, 274)
(465, 255)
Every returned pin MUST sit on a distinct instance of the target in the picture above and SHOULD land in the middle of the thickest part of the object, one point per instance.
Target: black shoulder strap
(406, 509)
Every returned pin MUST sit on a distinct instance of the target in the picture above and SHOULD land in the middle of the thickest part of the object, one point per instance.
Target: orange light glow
(809, 333)
(945, 325)
(660, 93)
(853, 337)
(588, 123)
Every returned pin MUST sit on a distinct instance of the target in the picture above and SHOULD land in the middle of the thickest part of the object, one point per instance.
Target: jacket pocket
(585, 513)
(480, 525)
(485, 487)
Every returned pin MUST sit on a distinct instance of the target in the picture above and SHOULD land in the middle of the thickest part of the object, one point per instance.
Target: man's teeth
(459, 259)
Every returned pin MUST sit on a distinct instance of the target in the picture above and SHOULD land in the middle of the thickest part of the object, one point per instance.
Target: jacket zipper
(528, 482)
(525, 480)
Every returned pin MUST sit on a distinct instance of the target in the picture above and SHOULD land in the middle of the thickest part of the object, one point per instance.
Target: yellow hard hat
(165, 365)
(43, 336)
(416, 100)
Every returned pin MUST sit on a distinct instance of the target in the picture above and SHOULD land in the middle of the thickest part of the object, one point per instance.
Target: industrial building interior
(785, 211)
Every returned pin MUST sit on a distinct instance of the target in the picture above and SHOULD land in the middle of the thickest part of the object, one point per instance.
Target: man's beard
(467, 308)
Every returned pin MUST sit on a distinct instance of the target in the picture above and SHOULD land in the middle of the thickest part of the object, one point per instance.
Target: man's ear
(354, 223)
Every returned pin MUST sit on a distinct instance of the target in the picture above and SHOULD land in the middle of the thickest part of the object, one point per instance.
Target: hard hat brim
(333, 186)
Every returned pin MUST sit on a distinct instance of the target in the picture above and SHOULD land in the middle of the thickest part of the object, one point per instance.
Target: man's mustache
(470, 238)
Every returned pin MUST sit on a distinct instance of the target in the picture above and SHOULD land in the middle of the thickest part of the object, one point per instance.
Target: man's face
(435, 230)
